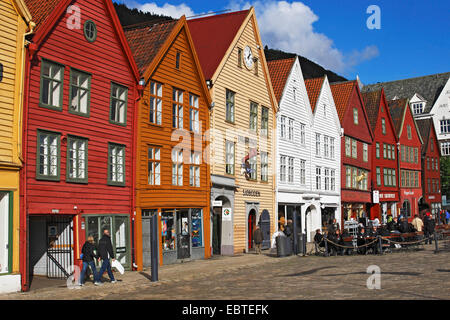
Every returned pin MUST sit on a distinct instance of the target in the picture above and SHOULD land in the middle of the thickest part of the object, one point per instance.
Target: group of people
(90, 252)
(445, 216)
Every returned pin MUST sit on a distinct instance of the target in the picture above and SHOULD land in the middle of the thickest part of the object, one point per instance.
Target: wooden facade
(78, 149)
(15, 21)
(221, 42)
(168, 66)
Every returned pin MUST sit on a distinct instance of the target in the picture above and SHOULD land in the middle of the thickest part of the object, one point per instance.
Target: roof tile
(372, 103)
(279, 72)
(341, 94)
(313, 87)
(40, 10)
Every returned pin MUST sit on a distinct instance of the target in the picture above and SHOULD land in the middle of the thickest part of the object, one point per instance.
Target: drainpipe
(23, 241)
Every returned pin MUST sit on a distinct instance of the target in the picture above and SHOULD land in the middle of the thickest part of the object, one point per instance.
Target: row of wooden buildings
(104, 127)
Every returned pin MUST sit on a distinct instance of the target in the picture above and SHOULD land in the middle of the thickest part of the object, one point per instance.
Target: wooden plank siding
(106, 61)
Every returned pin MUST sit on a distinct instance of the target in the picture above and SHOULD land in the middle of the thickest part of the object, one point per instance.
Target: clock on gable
(248, 57)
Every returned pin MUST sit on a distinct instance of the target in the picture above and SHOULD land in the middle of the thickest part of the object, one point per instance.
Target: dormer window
(418, 107)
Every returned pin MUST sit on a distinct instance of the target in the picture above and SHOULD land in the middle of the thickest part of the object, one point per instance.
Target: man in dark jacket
(105, 251)
(428, 228)
(89, 256)
(258, 239)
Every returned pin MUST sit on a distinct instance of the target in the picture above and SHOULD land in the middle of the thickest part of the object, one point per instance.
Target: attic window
(418, 108)
(90, 31)
(1, 72)
(239, 57)
(355, 116)
(178, 60)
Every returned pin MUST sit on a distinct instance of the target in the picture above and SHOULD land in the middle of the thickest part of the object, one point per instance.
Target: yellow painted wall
(248, 87)
(12, 28)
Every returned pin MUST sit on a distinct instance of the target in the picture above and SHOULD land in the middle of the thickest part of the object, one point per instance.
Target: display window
(197, 228)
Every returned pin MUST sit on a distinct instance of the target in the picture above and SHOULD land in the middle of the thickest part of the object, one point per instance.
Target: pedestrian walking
(417, 223)
(105, 251)
(89, 255)
(257, 238)
(447, 216)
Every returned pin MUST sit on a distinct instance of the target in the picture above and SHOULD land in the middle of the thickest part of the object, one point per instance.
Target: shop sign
(408, 193)
(376, 196)
(431, 197)
(251, 193)
(217, 203)
(226, 214)
(121, 249)
(387, 196)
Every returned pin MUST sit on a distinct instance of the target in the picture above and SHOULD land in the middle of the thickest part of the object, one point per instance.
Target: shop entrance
(251, 227)
(183, 235)
(217, 230)
(4, 231)
(118, 226)
(406, 208)
(328, 214)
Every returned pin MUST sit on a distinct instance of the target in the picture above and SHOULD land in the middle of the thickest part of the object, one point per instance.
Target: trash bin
(281, 246)
(301, 238)
(289, 246)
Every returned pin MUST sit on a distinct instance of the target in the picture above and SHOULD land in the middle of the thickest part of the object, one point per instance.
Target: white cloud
(174, 11)
(289, 27)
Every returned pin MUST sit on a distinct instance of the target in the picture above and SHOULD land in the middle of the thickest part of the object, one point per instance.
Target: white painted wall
(441, 110)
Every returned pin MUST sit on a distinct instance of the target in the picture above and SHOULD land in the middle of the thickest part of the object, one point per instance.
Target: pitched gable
(342, 92)
(397, 111)
(372, 103)
(279, 73)
(313, 88)
(213, 36)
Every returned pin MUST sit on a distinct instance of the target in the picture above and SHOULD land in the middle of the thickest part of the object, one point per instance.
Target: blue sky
(414, 39)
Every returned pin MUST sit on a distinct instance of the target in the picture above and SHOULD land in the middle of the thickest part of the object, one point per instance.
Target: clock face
(248, 57)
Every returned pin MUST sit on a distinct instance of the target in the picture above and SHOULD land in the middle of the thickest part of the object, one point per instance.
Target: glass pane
(168, 231)
(120, 239)
(197, 228)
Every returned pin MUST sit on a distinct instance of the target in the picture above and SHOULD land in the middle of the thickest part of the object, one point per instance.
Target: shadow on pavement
(307, 272)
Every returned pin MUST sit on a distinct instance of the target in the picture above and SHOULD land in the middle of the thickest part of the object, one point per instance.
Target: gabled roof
(279, 73)
(23, 10)
(146, 40)
(372, 103)
(397, 110)
(429, 87)
(46, 13)
(213, 36)
(342, 92)
(426, 126)
(313, 88)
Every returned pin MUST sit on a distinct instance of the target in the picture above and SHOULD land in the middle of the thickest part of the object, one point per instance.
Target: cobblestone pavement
(404, 275)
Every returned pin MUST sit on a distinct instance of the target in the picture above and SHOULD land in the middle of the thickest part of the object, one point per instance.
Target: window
(264, 121)
(253, 164)
(429, 185)
(445, 148)
(90, 31)
(256, 67)
(294, 93)
(194, 122)
(354, 149)
(197, 228)
(384, 151)
(302, 172)
(48, 155)
(383, 125)
(408, 130)
(239, 57)
(77, 149)
(79, 94)
(194, 170)
(354, 178)
(318, 144)
(229, 157)
(377, 150)
(348, 177)
(445, 126)
(302, 133)
(230, 95)
(428, 163)
(116, 164)
(290, 170)
(264, 166)
(332, 151)
(118, 106)
(154, 166)
(178, 60)
(416, 155)
(378, 176)
(318, 178)
(410, 179)
(52, 75)
(355, 116)
(283, 168)
(402, 153)
(393, 152)
(365, 152)
(283, 127)
(177, 167)
(168, 230)
(326, 145)
(327, 179)
(417, 108)
(431, 145)
(253, 116)
(348, 147)
(177, 109)
(291, 129)
(333, 180)
(156, 102)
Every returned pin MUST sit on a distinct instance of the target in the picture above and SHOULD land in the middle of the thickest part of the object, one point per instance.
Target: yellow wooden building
(242, 120)
(15, 22)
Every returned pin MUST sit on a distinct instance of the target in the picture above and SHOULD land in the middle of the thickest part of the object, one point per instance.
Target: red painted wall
(431, 152)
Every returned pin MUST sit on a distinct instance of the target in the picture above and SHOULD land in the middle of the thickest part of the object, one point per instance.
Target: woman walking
(89, 256)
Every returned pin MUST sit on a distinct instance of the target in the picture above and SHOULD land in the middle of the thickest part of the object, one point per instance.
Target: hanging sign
(217, 203)
(376, 196)
(226, 214)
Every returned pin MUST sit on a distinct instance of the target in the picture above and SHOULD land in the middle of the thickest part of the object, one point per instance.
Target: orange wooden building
(172, 177)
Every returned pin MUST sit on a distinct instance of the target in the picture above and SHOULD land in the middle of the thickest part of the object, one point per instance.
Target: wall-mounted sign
(217, 203)
(251, 193)
(376, 196)
(387, 196)
(55, 210)
(226, 214)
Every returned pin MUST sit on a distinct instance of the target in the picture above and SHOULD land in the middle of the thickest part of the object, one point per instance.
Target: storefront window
(168, 231)
(197, 234)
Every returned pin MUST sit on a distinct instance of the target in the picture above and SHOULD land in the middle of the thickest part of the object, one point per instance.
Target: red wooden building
(431, 174)
(80, 92)
(356, 148)
(410, 143)
(384, 156)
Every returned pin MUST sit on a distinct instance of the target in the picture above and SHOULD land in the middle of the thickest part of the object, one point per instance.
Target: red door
(251, 227)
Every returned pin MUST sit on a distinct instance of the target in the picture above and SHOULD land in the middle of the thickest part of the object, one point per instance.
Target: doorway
(251, 228)
(183, 235)
(5, 203)
(217, 230)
